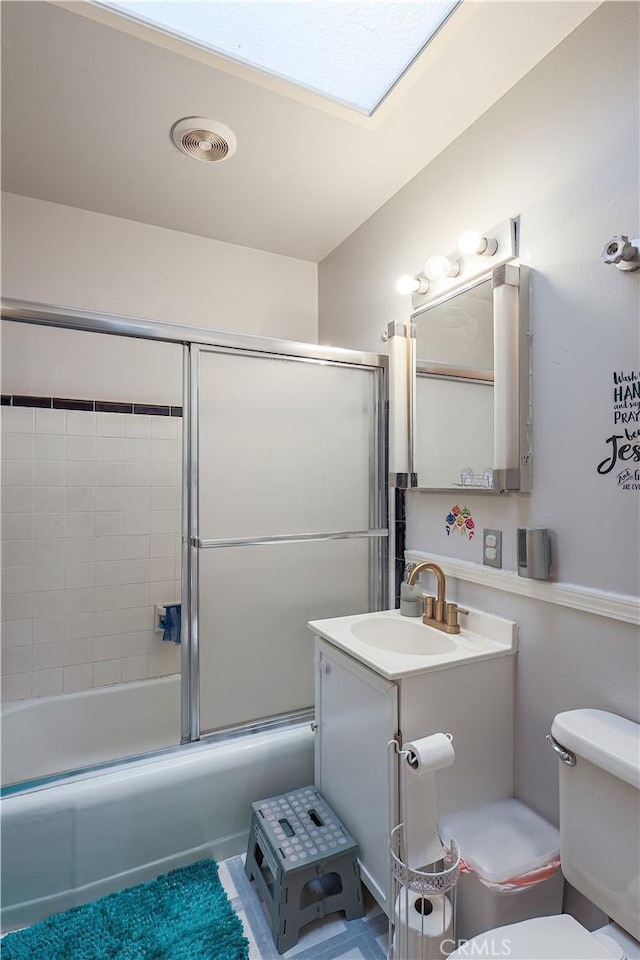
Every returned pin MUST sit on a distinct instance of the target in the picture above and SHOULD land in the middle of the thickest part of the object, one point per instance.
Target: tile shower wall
(91, 542)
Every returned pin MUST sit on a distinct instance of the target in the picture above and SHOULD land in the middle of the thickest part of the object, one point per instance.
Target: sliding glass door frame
(195, 340)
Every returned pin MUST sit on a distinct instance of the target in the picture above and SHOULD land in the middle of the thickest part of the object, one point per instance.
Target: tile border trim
(90, 406)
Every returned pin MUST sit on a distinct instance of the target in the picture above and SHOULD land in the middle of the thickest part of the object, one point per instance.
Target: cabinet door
(356, 712)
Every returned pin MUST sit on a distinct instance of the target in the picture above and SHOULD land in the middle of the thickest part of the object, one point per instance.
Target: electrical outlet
(492, 548)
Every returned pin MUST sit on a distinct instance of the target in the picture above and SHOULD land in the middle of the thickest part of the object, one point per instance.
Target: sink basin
(396, 646)
(402, 636)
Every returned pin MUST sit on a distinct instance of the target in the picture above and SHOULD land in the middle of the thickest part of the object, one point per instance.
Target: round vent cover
(204, 139)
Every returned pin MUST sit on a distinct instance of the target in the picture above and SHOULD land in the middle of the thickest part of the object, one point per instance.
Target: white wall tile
(78, 677)
(108, 498)
(80, 448)
(17, 473)
(164, 591)
(108, 648)
(49, 577)
(162, 569)
(107, 623)
(48, 603)
(79, 499)
(17, 580)
(48, 499)
(17, 633)
(17, 526)
(109, 448)
(165, 498)
(134, 571)
(164, 428)
(162, 545)
(81, 423)
(49, 447)
(165, 474)
(108, 598)
(135, 548)
(48, 655)
(136, 474)
(47, 526)
(166, 661)
(136, 644)
(17, 419)
(137, 426)
(17, 553)
(79, 549)
(16, 660)
(165, 521)
(78, 575)
(47, 683)
(136, 522)
(136, 498)
(48, 551)
(51, 421)
(49, 473)
(80, 473)
(107, 573)
(79, 525)
(17, 499)
(137, 451)
(107, 672)
(79, 600)
(78, 626)
(109, 474)
(166, 451)
(108, 548)
(17, 687)
(48, 630)
(78, 651)
(17, 606)
(18, 446)
(109, 524)
(136, 619)
(110, 424)
(135, 594)
(135, 668)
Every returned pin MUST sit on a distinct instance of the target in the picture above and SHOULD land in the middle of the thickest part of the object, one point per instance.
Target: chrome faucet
(437, 612)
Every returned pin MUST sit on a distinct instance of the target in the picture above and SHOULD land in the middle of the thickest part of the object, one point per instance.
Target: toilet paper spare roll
(420, 809)
(422, 924)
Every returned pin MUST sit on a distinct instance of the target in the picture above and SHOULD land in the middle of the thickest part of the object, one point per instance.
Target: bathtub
(53, 734)
(76, 840)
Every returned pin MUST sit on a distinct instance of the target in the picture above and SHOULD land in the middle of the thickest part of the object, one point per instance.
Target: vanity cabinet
(358, 711)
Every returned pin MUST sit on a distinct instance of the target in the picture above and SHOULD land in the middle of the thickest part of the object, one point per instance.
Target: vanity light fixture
(471, 242)
(407, 284)
(438, 267)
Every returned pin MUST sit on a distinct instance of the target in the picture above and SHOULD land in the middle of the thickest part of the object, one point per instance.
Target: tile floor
(331, 938)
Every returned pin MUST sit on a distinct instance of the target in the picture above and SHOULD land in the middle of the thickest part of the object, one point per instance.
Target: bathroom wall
(91, 503)
(560, 149)
(70, 257)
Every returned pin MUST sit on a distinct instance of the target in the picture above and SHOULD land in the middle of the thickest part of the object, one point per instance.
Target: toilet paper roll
(421, 925)
(424, 757)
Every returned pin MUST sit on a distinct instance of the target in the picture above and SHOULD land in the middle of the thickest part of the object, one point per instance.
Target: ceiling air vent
(204, 139)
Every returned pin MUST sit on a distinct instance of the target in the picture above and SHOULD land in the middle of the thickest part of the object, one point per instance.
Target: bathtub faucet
(437, 612)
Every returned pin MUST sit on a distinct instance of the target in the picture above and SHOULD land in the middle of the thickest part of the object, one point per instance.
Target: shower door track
(194, 339)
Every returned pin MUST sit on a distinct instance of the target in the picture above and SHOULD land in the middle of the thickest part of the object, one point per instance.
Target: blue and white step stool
(303, 862)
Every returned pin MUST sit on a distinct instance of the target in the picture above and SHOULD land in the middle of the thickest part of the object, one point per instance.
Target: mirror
(470, 396)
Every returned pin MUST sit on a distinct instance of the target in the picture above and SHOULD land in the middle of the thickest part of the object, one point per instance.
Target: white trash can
(510, 866)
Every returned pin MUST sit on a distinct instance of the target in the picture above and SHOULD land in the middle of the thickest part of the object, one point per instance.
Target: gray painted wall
(561, 150)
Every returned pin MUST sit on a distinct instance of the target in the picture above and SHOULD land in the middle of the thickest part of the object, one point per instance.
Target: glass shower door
(288, 520)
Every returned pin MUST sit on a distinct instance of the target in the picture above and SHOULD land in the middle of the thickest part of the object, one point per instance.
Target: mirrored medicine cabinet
(468, 393)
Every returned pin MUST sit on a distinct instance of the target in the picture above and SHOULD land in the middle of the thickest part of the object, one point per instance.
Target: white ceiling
(89, 99)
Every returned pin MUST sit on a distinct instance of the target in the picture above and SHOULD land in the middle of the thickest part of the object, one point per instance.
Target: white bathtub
(73, 841)
(53, 734)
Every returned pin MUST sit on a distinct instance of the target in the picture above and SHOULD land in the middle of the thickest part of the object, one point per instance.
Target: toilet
(599, 846)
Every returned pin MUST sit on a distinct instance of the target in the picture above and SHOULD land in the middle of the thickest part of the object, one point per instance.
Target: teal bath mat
(183, 915)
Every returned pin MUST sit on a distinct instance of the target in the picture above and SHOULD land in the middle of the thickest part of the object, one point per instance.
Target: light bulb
(473, 242)
(438, 267)
(407, 284)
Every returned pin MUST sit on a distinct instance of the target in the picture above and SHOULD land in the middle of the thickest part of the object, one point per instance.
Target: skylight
(352, 52)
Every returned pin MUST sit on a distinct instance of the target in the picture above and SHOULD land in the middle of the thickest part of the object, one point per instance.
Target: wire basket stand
(423, 904)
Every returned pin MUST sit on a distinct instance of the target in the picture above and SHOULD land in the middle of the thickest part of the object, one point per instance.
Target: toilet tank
(600, 811)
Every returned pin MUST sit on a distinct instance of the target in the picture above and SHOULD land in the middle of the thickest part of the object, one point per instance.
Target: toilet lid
(545, 938)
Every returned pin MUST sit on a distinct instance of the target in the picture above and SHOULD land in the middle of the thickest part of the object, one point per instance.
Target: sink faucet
(437, 612)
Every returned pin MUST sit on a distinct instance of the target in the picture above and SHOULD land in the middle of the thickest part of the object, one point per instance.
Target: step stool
(303, 862)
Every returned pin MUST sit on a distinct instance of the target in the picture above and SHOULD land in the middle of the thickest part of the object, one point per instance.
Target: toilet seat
(544, 938)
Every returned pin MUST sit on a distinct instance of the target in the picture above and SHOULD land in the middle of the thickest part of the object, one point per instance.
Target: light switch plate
(492, 548)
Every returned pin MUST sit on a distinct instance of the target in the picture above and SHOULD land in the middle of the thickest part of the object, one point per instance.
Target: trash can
(510, 866)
